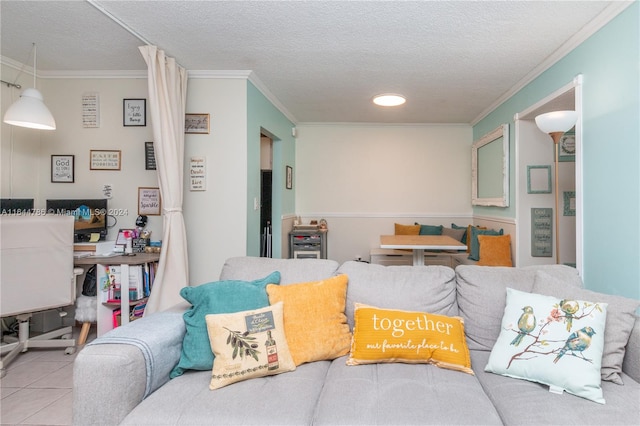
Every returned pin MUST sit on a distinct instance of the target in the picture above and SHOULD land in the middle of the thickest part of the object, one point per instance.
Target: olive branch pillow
(248, 344)
(553, 341)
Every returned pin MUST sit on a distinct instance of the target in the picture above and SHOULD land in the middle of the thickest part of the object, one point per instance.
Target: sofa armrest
(631, 363)
(115, 372)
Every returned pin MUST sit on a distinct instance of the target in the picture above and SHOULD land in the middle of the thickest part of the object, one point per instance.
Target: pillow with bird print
(556, 342)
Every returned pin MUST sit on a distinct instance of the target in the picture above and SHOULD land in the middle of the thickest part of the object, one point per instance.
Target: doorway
(535, 151)
(266, 195)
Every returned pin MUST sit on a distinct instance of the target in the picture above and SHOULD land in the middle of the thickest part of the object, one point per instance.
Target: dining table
(419, 243)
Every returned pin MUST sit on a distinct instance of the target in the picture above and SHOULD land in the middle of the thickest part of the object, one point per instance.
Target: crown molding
(611, 11)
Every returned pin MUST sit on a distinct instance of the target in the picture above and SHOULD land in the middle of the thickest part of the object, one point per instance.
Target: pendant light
(29, 110)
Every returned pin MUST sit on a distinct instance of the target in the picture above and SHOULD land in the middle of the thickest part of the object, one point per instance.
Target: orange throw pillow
(407, 229)
(495, 250)
(387, 335)
(314, 320)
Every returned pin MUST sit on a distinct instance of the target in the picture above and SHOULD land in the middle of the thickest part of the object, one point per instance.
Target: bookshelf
(106, 306)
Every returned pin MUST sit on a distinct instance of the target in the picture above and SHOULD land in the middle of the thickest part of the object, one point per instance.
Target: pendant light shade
(29, 110)
(556, 121)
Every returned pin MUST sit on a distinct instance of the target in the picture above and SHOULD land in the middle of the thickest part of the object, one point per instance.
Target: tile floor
(37, 389)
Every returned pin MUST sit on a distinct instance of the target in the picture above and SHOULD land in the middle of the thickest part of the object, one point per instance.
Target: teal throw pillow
(463, 239)
(553, 341)
(474, 254)
(219, 297)
(430, 229)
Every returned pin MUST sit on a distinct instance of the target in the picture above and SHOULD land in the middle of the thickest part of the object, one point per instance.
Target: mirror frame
(501, 131)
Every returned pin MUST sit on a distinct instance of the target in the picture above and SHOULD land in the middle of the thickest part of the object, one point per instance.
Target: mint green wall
(261, 114)
(610, 63)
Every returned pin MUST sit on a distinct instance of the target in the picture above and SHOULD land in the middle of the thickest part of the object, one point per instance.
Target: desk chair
(36, 274)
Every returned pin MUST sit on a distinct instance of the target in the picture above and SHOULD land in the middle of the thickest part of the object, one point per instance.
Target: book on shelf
(111, 283)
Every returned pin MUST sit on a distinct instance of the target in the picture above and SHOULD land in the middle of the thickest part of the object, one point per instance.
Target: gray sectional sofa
(123, 376)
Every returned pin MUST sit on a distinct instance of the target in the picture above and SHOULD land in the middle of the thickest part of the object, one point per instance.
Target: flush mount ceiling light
(389, 99)
(29, 110)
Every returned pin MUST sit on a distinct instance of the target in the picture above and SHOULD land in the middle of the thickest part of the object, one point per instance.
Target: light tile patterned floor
(37, 389)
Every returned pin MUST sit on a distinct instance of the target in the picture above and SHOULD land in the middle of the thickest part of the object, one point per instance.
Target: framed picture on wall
(134, 112)
(567, 147)
(196, 123)
(539, 179)
(149, 203)
(108, 159)
(62, 168)
(289, 177)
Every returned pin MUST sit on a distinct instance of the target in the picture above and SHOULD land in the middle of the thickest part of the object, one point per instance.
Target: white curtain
(167, 100)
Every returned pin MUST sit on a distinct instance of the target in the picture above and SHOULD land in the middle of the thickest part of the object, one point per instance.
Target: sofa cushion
(425, 289)
(474, 247)
(314, 320)
(620, 320)
(388, 335)
(247, 345)
(217, 297)
(401, 394)
(521, 402)
(481, 297)
(400, 229)
(284, 399)
(291, 270)
(557, 342)
(495, 250)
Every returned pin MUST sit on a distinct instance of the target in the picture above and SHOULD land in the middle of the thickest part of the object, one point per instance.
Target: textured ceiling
(323, 61)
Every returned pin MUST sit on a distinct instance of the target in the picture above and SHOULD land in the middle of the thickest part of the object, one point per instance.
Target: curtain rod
(119, 22)
(17, 86)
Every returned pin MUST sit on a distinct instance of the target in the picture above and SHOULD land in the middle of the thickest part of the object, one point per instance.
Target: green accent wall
(263, 115)
(610, 64)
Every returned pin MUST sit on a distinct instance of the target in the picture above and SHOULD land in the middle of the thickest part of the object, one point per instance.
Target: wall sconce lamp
(556, 123)
(29, 110)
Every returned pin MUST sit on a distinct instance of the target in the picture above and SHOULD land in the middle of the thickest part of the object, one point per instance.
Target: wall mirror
(490, 169)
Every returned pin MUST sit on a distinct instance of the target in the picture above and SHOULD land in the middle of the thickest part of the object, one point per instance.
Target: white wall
(30, 167)
(216, 219)
(363, 178)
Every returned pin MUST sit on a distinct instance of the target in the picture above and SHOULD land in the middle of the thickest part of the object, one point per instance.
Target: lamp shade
(556, 121)
(30, 111)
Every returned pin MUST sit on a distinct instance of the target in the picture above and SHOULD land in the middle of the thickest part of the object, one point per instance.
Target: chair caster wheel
(66, 336)
(70, 350)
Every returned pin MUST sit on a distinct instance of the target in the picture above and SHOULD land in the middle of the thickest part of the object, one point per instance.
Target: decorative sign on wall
(91, 110)
(104, 159)
(541, 232)
(149, 156)
(149, 201)
(196, 123)
(62, 168)
(134, 112)
(198, 174)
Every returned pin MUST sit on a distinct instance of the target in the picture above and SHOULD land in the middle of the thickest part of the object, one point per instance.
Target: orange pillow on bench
(495, 250)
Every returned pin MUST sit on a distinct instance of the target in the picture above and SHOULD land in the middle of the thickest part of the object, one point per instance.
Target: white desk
(420, 243)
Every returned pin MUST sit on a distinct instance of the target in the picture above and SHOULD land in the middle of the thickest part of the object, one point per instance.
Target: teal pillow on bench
(219, 297)
(474, 254)
(430, 229)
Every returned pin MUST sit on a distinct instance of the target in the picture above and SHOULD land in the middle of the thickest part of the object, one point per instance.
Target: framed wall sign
(569, 203)
(567, 147)
(104, 159)
(149, 203)
(62, 168)
(289, 177)
(149, 156)
(541, 232)
(196, 123)
(134, 112)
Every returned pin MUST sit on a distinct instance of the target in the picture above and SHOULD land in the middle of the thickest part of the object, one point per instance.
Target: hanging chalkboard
(149, 156)
(541, 232)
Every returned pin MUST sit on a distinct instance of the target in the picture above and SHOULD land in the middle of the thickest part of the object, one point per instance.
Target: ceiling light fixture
(389, 99)
(29, 110)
